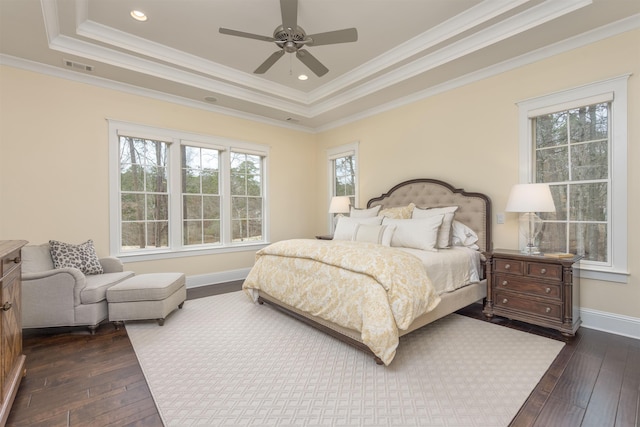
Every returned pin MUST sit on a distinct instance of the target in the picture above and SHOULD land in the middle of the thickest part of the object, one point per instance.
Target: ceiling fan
(290, 38)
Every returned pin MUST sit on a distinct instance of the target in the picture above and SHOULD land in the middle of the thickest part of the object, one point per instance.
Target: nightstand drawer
(518, 284)
(509, 266)
(546, 271)
(514, 302)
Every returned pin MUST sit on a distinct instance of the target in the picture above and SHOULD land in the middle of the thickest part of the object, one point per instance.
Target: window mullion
(225, 197)
(175, 196)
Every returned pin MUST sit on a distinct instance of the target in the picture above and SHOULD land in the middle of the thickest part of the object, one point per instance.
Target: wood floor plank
(536, 401)
(561, 413)
(628, 413)
(578, 380)
(603, 404)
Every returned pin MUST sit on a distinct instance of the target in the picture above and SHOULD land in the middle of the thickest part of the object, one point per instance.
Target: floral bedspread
(370, 288)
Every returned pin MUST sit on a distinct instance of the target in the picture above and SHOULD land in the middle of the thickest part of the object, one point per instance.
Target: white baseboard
(215, 278)
(609, 322)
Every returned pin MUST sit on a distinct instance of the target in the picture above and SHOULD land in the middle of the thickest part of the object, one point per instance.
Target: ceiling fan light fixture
(138, 15)
(291, 38)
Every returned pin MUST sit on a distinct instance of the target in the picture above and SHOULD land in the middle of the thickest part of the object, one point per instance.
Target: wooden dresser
(11, 357)
(533, 288)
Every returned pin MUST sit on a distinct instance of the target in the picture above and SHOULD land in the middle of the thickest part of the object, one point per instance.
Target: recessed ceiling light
(138, 15)
(303, 77)
(211, 99)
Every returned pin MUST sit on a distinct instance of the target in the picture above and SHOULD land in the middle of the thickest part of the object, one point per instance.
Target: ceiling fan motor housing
(288, 39)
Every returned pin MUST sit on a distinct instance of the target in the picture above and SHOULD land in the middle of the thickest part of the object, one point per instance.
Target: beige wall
(54, 164)
(469, 137)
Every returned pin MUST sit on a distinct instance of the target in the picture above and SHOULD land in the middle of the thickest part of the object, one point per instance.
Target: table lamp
(529, 199)
(339, 205)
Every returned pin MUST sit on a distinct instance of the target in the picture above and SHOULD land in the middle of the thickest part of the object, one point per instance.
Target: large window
(575, 141)
(173, 192)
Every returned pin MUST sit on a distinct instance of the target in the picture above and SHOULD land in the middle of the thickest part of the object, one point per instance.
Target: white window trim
(332, 154)
(175, 138)
(616, 89)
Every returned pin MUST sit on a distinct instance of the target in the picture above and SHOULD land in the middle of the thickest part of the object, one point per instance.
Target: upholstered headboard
(474, 209)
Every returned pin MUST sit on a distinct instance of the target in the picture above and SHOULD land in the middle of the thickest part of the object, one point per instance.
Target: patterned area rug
(223, 360)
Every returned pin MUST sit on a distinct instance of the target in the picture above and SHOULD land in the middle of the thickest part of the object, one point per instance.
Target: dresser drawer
(545, 271)
(10, 262)
(509, 266)
(520, 284)
(522, 304)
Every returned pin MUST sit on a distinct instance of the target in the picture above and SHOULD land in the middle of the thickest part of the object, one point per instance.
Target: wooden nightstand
(533, 288)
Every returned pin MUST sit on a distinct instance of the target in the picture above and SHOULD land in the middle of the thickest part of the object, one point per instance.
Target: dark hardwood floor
(76, 379)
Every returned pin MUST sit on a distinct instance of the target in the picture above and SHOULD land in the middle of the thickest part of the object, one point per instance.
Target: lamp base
(531, 250)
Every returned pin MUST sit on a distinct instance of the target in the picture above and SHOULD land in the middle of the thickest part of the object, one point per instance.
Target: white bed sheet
(450, 269)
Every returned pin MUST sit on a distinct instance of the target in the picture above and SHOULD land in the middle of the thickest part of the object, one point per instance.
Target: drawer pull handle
(504, 301)
(548, 309)
(6, 306)
(16, 260)
(507, 266)
(543, 271)
(505, 283)
(548, 290)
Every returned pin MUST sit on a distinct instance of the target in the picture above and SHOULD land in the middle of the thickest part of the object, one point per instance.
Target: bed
(355, 291)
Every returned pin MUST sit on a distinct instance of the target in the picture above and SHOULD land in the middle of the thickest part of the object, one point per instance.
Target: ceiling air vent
(77, 65)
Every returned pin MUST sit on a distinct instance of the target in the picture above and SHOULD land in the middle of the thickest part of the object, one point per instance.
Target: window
(173, 192)
(343, 173)
(200, 195)
(144, 195)
(575, 141)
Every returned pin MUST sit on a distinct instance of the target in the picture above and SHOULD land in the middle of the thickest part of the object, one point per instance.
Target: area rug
(223, 360)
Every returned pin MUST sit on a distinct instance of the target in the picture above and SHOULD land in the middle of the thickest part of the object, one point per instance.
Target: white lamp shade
(339, 204)
(530, 198)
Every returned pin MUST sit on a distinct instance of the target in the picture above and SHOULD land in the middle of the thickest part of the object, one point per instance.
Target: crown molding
(483, 38)
(619, 27)
(128, 42)
(458, 24)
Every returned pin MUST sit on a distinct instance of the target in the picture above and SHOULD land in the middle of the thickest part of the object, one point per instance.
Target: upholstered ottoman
(147, 296)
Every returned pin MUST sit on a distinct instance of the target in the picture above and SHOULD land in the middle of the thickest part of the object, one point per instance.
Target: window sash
(565, 229)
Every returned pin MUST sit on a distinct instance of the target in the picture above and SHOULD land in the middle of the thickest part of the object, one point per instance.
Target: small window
(343, 172)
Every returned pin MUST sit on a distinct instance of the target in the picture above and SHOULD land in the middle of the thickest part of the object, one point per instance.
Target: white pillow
(463, 235)
(444, 233)
(364, 213)
(346, 226)
(380, 234)
(421, 233)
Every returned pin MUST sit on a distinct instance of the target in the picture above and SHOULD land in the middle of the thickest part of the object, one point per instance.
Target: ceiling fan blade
(246, 35)
(289, 9)
(332, 37)
(269, 62)
(310, 61)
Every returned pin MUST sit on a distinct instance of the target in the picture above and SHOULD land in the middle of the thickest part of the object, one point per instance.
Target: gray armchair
(65, 296)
